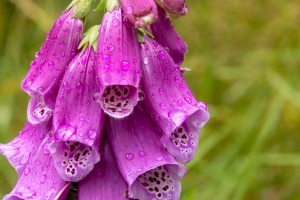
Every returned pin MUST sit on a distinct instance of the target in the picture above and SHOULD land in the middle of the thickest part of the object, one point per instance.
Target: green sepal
(101, 5)
(90, 38)
(81, 8)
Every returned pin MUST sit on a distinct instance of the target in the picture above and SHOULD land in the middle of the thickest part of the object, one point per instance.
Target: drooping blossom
(175, 8)
(47, 69)
(170, 102)
(165, 34)
(148, 168)
(140, 12)
(28, 154)
(118, 65)
(78, 120)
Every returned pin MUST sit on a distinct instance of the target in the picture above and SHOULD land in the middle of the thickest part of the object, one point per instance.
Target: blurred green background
(245, 58)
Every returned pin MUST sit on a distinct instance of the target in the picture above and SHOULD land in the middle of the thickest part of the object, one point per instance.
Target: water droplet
(66, 31)
(115, 22)
(40, 90)
(142, 154)
(129, 10)
(46, 151)
(161, 90)
(141, 95)
(129, 156)
(125, 65)
(96, 97)
(162, 106)
(181, 87)
(202, 105)
(83, 61)
(28, 82)
(123, 82)
(33, 63)
(79, 86)
(50, 64)
(139, 170)
(106, 68)
(162, 54)
(176, 78)
(65, 132)
(177, 117)
(61, 43)
(179, 103)
(105, 58)
(187, 99)
(43, 178)
(99, 174)
(92, 134)
(27, 171)
(110, 47)
(65, 84)
(159, 158)
(145, 60)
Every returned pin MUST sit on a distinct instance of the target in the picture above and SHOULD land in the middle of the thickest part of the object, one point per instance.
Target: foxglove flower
(165, 34)
(170, 102)
(140, 13)
(38, 178)
(175, 8)
(149, 170)
(105, 181)
(50, 63)
(118, 65)
(78, 120)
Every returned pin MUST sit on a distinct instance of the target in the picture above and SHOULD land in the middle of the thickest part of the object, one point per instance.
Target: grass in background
(245, 58)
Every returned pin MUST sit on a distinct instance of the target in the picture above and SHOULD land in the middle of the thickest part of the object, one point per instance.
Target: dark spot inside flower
(114, 86)
(73, 171)
(175, 135)
(80, 163)
(163, 174)
(42, 111)
(165, 188)
(118, 93)
(150, 179)
(156, 189)
(156, 174)
(85, 152)
(154, 179)
(159, 167)
(112, 99)
(113, 109)
(119, 105)
(70, 166)
(76, 144)
(180, 130)
(68, 169)
(64, 162)
(76, 156)
(183, 142)
(125, 91)
(176, 143)
(183, 136)
(159, 195)
(140, 176)
(150, 189)
(106, 100)
(163, 179)
(65, 154)
(72, 148)
(158, 182)
(68, 142)
(104, 95)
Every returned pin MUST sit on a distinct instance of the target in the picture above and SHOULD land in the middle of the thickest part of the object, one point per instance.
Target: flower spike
(149, 170)
(118, 65)
(78, 120)
(170, 103)
(176, 8)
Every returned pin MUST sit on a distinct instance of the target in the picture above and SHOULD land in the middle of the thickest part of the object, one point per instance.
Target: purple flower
(166, 35)
(47, 69)
(149, 170)
(28, 154)
(105, 181)
(118, 65)
(140, 12)
(170, 102)
(78, 120)
(175, 8)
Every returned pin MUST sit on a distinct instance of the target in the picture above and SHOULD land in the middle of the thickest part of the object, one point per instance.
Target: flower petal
(140, 13)
(140, 154)
(57, 51)
(169, 101)
(175, 8)
(40, 179)
(78, 120)
(37, 110)
(118, 65)
(105, 181)
(166, 35)
(20, 149)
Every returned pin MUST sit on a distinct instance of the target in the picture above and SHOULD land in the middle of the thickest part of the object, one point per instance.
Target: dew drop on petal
(145, 60)
(66, 30)
(105, 58)
(61, 43)
(115, 22)
(106, 68)
(83, 61)
(162, 54)
(162, 106)
(110, 47)
(43, 178)
(129, 156)
(142, 154)
(79, 86)
(161, 90)
(159, 158)
(65, 84)
(28, 82)
(176, 78)
(202, 105)
(27, 171)
(129, 10)
(33, 63)
(125, 65)
(179, 103)
(96, 97)
(92, 134)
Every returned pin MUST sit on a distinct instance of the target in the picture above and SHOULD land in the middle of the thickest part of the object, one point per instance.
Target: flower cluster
(115, 116)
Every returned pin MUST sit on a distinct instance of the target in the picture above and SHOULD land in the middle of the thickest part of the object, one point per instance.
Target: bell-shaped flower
(175, 8)
(140, 13)
(105, 181)
(118, 65)
(165, 34)
(38, 178)
(50, 63)
(78, 120)
(148, 168)
(170, 102)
